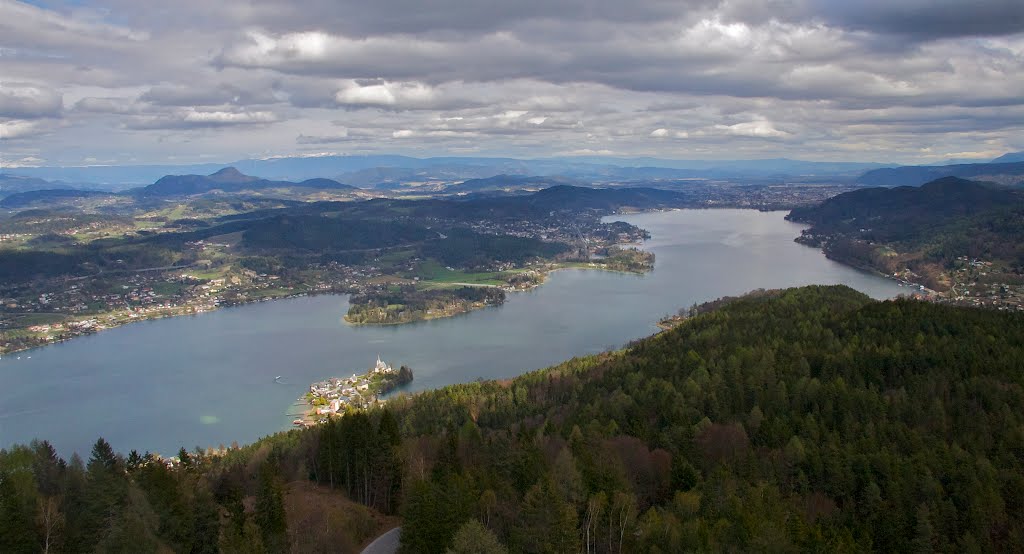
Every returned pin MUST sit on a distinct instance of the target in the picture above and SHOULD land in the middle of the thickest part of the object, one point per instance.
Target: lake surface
(207, 380)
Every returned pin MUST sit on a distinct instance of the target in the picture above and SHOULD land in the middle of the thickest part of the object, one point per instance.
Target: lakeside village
(336, 395)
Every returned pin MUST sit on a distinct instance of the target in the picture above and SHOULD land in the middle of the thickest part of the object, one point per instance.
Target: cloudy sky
(129, 81)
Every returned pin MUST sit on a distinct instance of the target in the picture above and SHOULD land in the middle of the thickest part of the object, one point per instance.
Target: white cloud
(25, 100)
(665, 133)
(385, 94)
(756, 129)
(194, 118)
(27, 161)
(228, 118)
(16, 129)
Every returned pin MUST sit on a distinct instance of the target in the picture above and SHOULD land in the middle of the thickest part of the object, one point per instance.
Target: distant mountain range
(15, 184)
(395, 172)
(371, 170)
(1009, 158)
(25, 199)
(1010, 174)
(510, 182)
(228, 179)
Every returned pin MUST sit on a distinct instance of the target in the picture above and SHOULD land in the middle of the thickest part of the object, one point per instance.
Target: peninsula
(441, 296)
(338, 394)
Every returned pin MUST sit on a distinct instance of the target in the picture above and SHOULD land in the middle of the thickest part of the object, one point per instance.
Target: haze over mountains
(371, 170)
(1010, 174)
(226, 180)
(385, 171)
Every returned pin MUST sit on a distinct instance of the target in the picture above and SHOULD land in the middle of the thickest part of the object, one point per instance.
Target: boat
(298, 422)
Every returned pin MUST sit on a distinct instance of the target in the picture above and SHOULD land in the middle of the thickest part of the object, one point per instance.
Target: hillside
(228, 179)
(508, 182)
(16, 184)
(24, 199)
(951, 235)
(1009, 174)
(810, 419)
(1009, 158)
(905, 213)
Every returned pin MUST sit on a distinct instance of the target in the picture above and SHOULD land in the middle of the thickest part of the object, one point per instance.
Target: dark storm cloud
(929, 19)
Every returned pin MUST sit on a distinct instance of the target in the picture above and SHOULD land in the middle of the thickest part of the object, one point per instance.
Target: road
(385, 544)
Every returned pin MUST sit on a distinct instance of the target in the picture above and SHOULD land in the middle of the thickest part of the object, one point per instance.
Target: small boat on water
(277, 379)
(298, 422)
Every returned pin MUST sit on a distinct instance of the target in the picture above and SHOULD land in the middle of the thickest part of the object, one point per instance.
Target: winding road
(385, 544)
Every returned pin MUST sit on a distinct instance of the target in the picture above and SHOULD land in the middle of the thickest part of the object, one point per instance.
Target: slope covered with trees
(925, 229)
(813, 420)
(810, 419)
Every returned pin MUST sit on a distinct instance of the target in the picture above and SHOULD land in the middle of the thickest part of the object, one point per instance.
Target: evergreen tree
(474, 538)
(17, 529)
(547, 523)
(270, 511)
(105, 492)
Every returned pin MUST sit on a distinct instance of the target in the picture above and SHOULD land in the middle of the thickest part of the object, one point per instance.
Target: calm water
(209, 379)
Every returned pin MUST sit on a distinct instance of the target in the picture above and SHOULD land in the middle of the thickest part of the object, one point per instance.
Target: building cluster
(981, 283)
(335, 394)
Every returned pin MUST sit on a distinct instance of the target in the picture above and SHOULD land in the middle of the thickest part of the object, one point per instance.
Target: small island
(338, 394)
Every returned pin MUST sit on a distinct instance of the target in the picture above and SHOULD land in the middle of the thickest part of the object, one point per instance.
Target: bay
(209, 379)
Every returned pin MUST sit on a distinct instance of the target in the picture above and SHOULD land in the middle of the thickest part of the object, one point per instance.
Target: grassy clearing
(28, 320)
(392, 258)
(215, 273)
(437, 274)
(272, 293)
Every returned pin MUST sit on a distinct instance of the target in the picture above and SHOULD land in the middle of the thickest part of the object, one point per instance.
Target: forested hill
(896, 213)
(925, 229)
(228, 179)
(810, 419)
(815, 420)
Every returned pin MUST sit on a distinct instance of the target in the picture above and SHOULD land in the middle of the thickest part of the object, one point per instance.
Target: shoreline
(185, 312)
(108, 326)
(922, 290)
(543, 278)
(113, 320)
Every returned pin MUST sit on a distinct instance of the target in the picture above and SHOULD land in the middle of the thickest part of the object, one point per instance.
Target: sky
(96, 82)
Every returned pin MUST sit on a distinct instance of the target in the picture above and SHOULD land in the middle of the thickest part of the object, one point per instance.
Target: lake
(208, 379)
